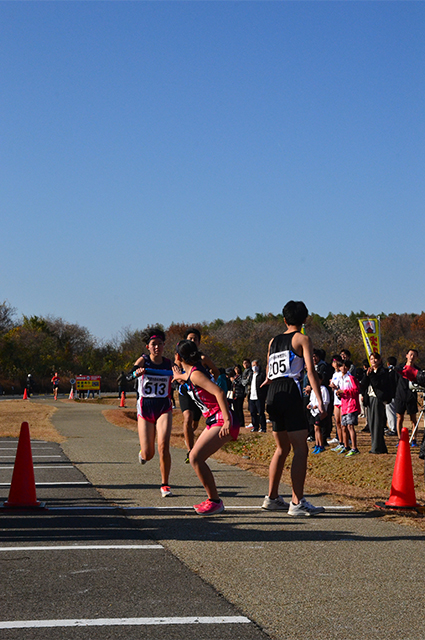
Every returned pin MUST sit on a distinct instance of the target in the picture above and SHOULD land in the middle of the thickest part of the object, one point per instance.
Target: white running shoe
(166, 491)
(141, 460)
(275, 504)
(333, 441)
(304, 508)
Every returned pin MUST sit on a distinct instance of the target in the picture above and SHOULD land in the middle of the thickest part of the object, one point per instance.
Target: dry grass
(14, 412)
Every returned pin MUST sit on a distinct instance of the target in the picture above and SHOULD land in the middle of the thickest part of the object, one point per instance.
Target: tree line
(41, 346)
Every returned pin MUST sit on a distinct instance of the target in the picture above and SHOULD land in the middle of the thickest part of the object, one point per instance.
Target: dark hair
(347, 352)
(337, 359)
(238, 369)
(365, 362)
(192, 330)
(376, 355)
(415, 350)
(392, 361)
(346, 363)
(295, 312)
(153, 332)
(318, 353)
(188, 351)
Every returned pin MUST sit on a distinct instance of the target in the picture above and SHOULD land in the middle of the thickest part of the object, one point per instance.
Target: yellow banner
(371, 334)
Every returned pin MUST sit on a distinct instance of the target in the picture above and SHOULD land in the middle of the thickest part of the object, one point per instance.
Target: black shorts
(186, 403)
(406, 400)
(285, 407)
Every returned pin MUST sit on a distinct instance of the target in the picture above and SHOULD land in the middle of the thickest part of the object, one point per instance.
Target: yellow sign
(86, 383)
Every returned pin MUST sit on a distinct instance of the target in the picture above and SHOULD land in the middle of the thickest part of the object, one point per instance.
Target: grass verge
(14, 412)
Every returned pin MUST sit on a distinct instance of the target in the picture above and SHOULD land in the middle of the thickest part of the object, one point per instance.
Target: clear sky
(187, 161)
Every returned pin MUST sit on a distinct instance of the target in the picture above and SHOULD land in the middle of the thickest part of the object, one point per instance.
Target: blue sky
(187, 161)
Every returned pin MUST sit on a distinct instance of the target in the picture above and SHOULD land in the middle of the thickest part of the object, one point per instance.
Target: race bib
(279, 365)
(154, 386)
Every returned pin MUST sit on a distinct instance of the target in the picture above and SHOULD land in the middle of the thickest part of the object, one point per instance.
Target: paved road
(83, 570)
(342, 575)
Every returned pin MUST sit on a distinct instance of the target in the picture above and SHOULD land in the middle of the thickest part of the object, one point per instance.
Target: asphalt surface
(343, 574)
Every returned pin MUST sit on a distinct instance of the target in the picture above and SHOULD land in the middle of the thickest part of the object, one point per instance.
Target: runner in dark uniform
(154, 409)
(288, 354)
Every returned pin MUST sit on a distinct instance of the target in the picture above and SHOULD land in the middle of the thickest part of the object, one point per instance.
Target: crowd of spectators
(380, 393)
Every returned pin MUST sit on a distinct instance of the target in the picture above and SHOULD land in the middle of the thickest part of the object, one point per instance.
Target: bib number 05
(278, 365)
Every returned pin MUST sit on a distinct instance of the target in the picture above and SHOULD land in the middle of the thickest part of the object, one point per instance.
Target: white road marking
(75, 547)
(108, 622)
(45, 467)
(33, 448)
(49, 484)
(175, 508)
(34, 457)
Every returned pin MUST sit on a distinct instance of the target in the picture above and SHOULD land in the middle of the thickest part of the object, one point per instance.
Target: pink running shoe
(209, 508)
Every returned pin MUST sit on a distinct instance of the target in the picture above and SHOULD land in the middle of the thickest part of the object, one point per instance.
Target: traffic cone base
(122, 403)
(402, 495)
(22, 494)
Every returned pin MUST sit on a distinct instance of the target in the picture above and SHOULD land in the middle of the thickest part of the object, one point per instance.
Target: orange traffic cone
(25, 394)
(22, 489)
(71, 394)
(122, 403)
(402, 494)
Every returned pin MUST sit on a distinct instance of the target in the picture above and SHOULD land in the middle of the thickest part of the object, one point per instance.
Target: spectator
(350, 408)
(375, 388)
(346, 355)
(246, 373)
(222, 380)
(335, 384)
(238, 395)
(257, 398)
(390, 406)
(406, 399)
(29, 385)
(320, 424)
(122, 384)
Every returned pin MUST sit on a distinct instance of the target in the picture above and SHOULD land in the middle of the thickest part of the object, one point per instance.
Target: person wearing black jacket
(238, 394)
(375, 388)
(257, 397)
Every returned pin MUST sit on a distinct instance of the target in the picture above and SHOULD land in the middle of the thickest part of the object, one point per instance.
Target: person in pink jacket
(350, 408)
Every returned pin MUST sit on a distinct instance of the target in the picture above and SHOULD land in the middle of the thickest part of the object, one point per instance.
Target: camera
(419, 383)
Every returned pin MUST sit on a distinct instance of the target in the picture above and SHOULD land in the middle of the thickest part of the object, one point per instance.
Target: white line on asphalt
(173, 508)
(84, 547)
(108, 622)
(42, 467)
(49, 484)
(228, 508)
(33, 447)
(34, 457)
